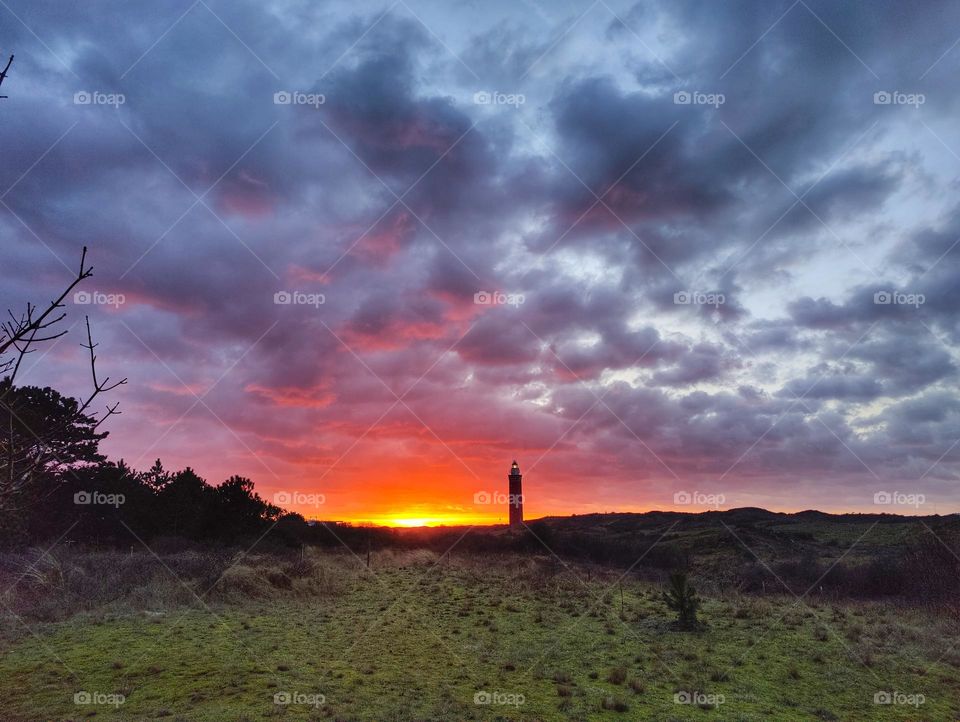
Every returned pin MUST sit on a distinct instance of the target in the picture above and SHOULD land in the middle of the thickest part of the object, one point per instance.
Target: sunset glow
(587, 361)
(415, 262)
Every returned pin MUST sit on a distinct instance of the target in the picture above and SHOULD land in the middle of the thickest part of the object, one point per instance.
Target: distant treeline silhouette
(58, 486)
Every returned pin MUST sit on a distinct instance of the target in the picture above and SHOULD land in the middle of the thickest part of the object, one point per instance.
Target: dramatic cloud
(380, 251)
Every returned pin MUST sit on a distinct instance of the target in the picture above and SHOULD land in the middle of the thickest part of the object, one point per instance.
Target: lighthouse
(515, 499)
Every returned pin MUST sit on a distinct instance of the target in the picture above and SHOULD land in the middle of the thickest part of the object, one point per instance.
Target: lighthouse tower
(515, 500)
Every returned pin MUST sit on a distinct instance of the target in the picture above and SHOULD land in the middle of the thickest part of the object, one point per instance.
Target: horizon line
(437, 522)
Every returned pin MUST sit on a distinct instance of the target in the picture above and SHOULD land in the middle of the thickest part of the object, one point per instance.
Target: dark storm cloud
(504, 199)
(375, 104)
(608, 131)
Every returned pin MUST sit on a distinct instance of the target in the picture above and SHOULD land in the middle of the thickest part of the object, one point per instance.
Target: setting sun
(415, 521)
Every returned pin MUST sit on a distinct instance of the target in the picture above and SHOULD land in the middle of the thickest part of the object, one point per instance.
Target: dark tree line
(111, 504)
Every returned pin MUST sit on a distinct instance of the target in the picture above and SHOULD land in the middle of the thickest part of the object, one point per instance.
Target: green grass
(418, 642)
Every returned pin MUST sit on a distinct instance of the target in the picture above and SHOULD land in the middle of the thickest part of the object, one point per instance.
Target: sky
(666, 255)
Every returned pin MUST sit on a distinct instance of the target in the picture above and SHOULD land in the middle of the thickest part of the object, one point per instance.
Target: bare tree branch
(98, 386)
(20, 333)
(3, 75)
(41, 430)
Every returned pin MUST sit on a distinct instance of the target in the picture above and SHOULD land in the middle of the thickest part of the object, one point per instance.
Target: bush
(681, 598)
(615, 704)
(618, 675)
(64, 582)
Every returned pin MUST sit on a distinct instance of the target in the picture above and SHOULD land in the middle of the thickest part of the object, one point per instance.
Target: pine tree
(157, 477)
(682, 599)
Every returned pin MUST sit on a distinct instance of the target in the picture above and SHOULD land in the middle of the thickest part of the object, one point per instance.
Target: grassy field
(417, 638)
